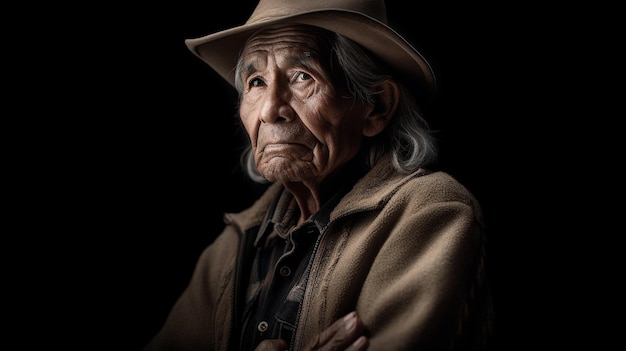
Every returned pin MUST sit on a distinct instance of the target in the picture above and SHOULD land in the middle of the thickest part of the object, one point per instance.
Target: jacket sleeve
(413, 269)
(426, 283)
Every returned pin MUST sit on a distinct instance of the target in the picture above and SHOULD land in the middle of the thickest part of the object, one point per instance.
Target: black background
(132, 154)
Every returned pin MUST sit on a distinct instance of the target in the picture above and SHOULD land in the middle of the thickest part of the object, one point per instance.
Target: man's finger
(340, 335)
(272, 345)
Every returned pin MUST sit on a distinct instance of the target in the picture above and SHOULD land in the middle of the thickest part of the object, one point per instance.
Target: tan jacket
(405, 252)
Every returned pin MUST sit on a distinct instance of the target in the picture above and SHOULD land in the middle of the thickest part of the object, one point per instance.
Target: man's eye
(304, 76)
(255, 82)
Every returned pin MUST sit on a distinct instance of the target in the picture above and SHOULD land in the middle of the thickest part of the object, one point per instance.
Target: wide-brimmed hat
(363, 21)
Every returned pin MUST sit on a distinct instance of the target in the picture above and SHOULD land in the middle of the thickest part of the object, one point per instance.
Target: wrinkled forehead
(286, 36)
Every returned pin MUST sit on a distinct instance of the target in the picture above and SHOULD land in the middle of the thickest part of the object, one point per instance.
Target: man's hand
(345, 334)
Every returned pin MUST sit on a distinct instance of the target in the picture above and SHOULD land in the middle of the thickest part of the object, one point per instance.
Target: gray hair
(407, 137)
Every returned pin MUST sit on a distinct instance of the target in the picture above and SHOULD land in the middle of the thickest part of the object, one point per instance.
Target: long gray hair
(407, 137)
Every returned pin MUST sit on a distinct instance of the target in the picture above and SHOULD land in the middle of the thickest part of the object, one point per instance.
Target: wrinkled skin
(303, 126)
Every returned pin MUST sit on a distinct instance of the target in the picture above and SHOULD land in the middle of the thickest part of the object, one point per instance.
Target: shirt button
(262, 326)
(285, 271)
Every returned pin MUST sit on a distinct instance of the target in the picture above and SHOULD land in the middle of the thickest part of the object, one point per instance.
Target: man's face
(302, 127)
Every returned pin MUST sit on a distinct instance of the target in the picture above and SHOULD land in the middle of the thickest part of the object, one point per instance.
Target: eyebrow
(302, 59)
(248, 69)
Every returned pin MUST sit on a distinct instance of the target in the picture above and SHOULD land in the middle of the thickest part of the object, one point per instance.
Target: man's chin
(282, 169)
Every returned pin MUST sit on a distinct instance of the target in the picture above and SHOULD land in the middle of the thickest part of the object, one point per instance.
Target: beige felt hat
(363, 21)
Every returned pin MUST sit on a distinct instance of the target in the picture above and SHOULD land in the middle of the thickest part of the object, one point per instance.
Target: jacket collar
(372, 191)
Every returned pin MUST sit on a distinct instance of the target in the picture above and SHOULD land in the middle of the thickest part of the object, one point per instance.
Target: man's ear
(387, 95)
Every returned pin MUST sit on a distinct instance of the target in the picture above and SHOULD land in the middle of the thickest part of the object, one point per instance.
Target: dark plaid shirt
(282, 262)
(280, 271)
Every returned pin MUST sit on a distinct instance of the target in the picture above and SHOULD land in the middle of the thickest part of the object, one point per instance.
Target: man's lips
(289, 151)
(275, 147)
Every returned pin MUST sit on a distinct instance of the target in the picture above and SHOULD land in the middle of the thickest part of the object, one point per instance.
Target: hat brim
(220, 49)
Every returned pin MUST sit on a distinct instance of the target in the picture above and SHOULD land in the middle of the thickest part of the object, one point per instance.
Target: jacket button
(285, 271)
(262, 326)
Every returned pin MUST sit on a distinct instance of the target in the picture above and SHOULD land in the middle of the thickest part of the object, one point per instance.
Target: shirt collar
(283, 213)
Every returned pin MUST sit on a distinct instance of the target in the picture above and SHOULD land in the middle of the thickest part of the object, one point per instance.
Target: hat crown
(269, 9)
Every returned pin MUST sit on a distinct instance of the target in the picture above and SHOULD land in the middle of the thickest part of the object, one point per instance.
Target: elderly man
(357, 244)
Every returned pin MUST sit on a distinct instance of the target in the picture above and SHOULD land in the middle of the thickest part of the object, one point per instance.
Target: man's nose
(276, 106)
